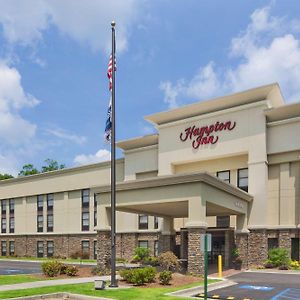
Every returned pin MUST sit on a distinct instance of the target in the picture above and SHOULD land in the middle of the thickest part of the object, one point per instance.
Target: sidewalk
(38, 284)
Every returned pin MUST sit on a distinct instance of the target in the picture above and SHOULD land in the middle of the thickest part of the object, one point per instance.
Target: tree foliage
(5, 176)
(52, 165)
(28, 169)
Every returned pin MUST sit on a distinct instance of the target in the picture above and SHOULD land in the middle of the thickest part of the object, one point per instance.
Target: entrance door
(217, 246)
(295, 249)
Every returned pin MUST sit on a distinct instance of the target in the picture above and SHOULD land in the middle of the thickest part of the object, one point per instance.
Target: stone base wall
(241, 242)
(257, 247)
(195, 256)
(284, 240)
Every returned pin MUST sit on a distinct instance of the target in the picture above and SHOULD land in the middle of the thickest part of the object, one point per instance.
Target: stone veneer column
(103, 249)
(285, 240)
(258, 247)
(195, 256)
(242, 243)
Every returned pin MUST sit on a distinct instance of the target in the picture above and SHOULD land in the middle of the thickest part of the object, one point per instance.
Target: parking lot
(19, 267)
(261, 286)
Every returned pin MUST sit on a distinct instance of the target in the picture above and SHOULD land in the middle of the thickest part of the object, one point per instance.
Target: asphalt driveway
(261, 286)
(19, 267)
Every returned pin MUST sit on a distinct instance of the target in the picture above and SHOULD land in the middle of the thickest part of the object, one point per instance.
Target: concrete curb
(200, 289)
(64, 295)
(272, 271)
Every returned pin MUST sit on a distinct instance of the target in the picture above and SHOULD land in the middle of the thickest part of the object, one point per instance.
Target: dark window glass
(95, 249)
(11, 248)
(40, 223)
(50, 222)
(143, 222)
(143, 244)
(11, 224)
(50, 248)
(243, 179)
(85, 221)
(3, 248)
(155, 248)
(155, 222)
(95, 210)
(3, 225)
(85, 197)
(50, 201)
(223, 221)
(224, 175)
(11, 206)
(3, 207)
(40, 203)
(272, 243)
(40, 249)
(85, 246)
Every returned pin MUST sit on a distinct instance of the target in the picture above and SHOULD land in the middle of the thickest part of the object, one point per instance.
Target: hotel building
(228, 166)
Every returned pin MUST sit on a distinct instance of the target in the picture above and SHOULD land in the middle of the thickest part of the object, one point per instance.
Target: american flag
(108, 125)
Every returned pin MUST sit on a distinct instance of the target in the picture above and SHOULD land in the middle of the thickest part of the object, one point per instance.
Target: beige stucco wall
(143, 160)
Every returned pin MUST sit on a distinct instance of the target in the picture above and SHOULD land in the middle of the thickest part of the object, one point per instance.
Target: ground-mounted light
(100, 284)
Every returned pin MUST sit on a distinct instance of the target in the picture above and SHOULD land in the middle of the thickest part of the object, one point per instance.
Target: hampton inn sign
(205, 134)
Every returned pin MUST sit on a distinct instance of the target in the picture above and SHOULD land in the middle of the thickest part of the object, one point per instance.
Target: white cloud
(13, 128)
(84, 159)
(267, 51)
(63, 134)
(85, 21)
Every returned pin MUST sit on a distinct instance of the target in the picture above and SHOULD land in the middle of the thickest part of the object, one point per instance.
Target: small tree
(5, 176)
(52, 165)
(28, 169)
(169, 261)
(141, 254)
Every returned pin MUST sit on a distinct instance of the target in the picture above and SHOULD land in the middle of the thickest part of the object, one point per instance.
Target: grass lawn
(45, 258)
(12, 279)
(135, 293)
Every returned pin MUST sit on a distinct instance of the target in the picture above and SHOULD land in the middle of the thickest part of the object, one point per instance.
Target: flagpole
(113, 165)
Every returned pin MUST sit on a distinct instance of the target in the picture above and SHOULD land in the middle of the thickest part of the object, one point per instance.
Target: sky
(54, 55)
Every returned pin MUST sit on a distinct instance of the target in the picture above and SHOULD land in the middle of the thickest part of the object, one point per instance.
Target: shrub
(278, 257)
(268, 264)
(165, 277)
(294, 264)
(51, 268)
(168, 261)
(138, 276)
(283, 267)
(141, 254)
(63, 268)
(71, 270)
(152, 261)
(96, 271)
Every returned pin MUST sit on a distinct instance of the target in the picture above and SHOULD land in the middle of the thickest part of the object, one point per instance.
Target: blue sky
(54, 55)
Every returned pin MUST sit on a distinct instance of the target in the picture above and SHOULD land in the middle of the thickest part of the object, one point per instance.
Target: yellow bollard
(220, 265)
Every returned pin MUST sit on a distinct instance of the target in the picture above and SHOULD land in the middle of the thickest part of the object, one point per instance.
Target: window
(155, 248)
(11, 224)
(11, 248)
(224, 175)
(85, 221)
(40, 222)
(85, 247)
(143, 244)
(3, 248)
(95, 210)
(85, 197)
(3, 225)
(11, 206)
(272, 243)
(50, 201)
(3, 207)
(50, 222)
(95, 249)
(155, 222)
(50, 248)
(40, 249)
(40, 203)
(143, 222)
(223, 221)
(243, 179)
